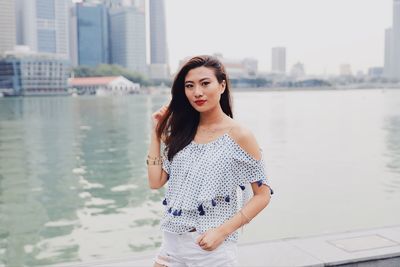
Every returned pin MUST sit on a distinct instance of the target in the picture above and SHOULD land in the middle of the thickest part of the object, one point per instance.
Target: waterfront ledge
(364, 248)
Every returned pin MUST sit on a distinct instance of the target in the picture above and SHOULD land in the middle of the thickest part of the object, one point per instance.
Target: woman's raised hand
(156, 116)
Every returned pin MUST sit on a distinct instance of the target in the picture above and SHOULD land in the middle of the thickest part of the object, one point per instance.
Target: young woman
(210, 162)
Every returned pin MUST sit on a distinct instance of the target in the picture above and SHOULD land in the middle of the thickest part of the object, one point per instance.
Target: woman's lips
(200, 102)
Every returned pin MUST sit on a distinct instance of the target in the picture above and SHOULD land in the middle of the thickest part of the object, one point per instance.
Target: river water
(73, 176)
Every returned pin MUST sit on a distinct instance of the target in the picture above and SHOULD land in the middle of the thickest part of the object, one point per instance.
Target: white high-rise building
(43, 25)
(7, 25)
(128, 38)
(395, 49)
(278, 64)
(73, 35)
(388, 53)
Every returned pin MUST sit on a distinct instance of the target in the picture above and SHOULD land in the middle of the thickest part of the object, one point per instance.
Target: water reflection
(73, 183)
(34, 161)
(72, 170)
(392, 126)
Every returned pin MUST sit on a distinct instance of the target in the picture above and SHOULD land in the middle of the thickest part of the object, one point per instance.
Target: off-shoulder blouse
(208, 184)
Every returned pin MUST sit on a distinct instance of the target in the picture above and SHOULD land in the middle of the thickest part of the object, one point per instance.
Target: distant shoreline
(166, 91)
(286, 89)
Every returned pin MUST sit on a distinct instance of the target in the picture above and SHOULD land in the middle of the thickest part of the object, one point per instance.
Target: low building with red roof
(108, 85)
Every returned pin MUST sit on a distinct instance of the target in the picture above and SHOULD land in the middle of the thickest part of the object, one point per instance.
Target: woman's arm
(214, 237)
(211, 239)
(261, 198)
(156, 175)
(255, 205)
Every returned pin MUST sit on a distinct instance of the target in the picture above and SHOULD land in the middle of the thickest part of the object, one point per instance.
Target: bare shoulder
(246, 140)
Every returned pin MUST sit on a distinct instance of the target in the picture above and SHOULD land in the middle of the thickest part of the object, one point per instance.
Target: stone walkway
(373, 247)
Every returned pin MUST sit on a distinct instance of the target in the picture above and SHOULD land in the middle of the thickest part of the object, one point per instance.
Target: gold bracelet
(154, 158)
(247, 218)
(153, 162)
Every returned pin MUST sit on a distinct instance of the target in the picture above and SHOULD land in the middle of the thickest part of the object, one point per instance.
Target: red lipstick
(200, 102)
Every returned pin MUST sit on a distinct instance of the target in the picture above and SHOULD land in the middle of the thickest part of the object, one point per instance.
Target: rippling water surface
(73, 180)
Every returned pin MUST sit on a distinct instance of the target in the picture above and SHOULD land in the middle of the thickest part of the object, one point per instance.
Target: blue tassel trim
(260, 183)
(201, 210)
(213, 202)
(177, 213)
(242, 187)
(164, 202)
(200, 207)
(270, 190)
(227, 198)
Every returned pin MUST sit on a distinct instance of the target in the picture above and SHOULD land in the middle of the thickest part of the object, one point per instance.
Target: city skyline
(321, 35)
(322, 42)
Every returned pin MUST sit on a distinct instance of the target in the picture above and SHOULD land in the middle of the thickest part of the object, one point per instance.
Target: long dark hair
(179, 124)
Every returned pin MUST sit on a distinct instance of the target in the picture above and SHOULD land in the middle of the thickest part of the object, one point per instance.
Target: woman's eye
(206, 83)
(188, 86)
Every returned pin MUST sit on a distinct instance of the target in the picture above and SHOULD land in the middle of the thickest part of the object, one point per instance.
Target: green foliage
(83, 71)
(110, 70)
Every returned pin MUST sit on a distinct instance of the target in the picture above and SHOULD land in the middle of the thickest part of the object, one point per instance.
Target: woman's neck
(212, 117)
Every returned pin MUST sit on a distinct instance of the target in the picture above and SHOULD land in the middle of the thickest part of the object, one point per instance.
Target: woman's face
(202, 88)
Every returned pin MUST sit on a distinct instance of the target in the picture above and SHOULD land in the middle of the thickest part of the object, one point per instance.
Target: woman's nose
(198, 92)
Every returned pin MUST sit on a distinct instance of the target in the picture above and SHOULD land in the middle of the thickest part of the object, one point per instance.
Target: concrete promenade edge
(364, 248)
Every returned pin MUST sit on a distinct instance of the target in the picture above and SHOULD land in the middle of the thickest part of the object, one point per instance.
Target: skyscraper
(278, 64)
(117, 3)
(7, 25)
(128, 38)
(73, 35)
(158, 41)
(92, 34)
(388, 53)
(395, 49)
(43, 25)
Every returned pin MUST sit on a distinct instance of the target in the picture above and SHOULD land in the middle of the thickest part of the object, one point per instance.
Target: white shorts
(182, 250)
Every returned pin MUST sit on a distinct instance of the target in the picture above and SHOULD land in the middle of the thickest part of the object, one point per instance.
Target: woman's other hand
(211, 239)
(156, 116)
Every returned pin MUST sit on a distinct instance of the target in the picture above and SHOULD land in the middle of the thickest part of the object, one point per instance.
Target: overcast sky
(322, 34)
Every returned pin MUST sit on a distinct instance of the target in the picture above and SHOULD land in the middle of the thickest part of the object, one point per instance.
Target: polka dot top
(208, 184)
